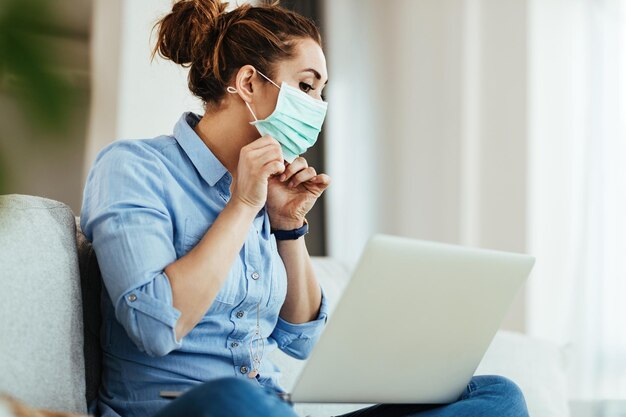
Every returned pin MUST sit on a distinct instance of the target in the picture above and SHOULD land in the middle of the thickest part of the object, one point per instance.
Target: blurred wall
(427, 131)
(132, 97)
(37, 161)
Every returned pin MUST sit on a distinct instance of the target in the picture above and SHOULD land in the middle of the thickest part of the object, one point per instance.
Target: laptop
(412, 325)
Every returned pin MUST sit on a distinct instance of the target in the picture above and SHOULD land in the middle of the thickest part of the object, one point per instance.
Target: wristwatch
(291, 234)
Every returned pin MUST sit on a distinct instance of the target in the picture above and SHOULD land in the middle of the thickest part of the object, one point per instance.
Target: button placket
(252, 265)
(243, 315)
(237, 314)
(256, 261)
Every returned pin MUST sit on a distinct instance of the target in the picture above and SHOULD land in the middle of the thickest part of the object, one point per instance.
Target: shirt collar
(207, 164)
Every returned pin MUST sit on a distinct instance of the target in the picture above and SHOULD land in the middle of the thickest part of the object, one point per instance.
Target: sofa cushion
(537, 366)
(41, 354)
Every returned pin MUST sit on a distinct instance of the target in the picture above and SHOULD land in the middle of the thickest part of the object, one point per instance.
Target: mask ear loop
(233, 90)
(267, 78)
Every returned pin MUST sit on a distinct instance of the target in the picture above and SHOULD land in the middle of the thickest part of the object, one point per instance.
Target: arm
(304, 295)
(157, 298)
(125, 217)
(198, 276)
(305, 310)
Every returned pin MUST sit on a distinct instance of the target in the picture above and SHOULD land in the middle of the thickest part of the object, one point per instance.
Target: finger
(255, 163)
(261, 142)
(317, 185)
(272, 168)
(257, 159)
(254, 154)
(273, 150)
(297, 165)
(302, 176)
(261, 155)
(321, 179)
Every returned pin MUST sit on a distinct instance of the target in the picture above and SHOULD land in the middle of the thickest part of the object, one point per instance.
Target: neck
(225, 133)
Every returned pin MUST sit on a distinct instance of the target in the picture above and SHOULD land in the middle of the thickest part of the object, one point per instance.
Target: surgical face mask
(295, 122)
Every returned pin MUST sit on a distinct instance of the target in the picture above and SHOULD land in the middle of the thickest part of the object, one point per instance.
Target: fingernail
(282, 177)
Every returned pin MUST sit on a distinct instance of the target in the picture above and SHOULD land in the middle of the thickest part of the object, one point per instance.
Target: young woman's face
(306, 70)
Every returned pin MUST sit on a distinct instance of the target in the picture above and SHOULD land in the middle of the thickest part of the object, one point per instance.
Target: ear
(246, 82)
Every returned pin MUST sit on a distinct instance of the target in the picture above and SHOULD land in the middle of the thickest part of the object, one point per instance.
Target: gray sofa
(49, 304)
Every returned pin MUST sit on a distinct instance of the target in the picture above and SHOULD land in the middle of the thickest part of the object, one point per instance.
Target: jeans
(484, 396)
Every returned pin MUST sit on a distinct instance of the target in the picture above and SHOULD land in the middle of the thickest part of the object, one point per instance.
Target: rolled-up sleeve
(125, 216)
(298, 340)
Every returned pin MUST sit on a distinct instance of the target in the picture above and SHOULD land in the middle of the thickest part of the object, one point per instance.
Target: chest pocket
(228, 294)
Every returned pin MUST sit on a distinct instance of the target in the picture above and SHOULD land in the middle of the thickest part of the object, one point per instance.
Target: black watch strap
(292, 234)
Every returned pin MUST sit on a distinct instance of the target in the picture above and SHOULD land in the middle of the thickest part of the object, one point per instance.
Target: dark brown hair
(214, 44)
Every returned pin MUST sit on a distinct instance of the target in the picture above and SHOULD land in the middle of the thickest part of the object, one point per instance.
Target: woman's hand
(257, 161)
(292, 194)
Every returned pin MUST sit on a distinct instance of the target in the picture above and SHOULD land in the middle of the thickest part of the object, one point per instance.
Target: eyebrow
(317, 74)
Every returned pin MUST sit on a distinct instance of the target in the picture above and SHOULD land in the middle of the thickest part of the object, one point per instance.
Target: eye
(306, 87)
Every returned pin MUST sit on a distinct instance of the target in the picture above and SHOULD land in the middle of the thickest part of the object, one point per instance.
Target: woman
(200, 235)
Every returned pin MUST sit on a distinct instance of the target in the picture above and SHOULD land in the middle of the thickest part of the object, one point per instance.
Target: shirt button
(243, 369)
(255, 275)
(239, 314)
(234, 344)
(132, 297)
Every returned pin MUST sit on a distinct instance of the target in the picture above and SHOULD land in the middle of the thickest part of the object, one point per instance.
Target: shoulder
(136, 150)
(130, 157)
(126, 163)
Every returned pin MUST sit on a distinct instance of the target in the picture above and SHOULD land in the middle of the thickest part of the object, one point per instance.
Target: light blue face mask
(295, 122)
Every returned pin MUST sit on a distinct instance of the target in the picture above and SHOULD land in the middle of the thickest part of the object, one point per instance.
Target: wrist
(291, 234)
(287, 224)
(243, 207)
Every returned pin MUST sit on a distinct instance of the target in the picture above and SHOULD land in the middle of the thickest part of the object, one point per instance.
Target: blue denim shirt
(146, 203)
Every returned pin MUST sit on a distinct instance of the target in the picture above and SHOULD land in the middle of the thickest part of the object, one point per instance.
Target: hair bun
(215, 44)
(182, 34)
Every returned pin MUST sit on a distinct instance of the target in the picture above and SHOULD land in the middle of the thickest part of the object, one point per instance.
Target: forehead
(308, 54)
